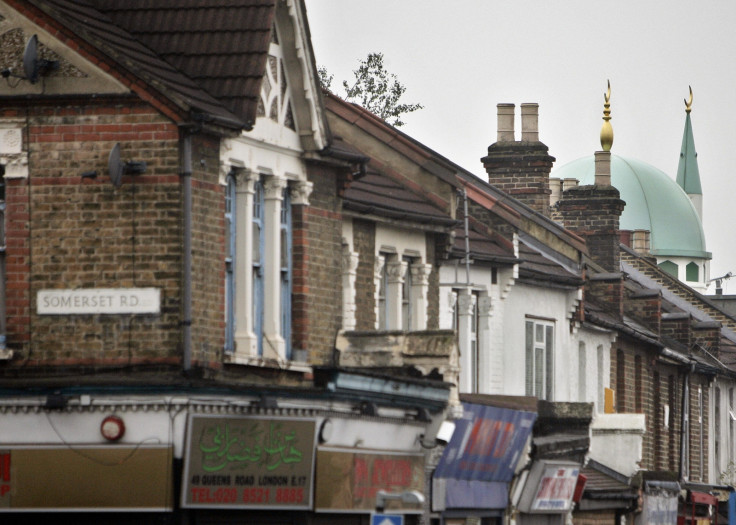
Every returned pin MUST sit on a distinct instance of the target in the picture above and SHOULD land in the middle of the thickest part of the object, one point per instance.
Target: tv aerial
(35, 67)
(117, 168)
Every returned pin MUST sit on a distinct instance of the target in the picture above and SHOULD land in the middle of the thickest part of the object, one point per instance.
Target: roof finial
(689, 103)
(607, 129)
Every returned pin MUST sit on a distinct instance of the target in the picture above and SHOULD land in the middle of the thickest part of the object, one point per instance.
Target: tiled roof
(207, 56)
(222, 45)
(378, 194)
(536, 266)
(484, 246)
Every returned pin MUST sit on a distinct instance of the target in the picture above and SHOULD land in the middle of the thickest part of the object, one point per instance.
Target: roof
(207, 56)
(654, 202)
(222, 45)
(538, 264)
(378, 194)
(483, 244)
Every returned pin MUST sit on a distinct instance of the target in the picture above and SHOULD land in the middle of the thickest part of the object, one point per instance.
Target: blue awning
(479, 462)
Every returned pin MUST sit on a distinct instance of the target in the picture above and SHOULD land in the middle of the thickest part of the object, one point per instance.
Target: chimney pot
(530, 122)
(568, 183)
(640, 241)
(505, 132)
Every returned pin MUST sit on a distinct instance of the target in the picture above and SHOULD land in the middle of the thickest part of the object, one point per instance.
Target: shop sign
(348, 480)
(83, 478)
(249, 462)
(555, 489)
(114, 301)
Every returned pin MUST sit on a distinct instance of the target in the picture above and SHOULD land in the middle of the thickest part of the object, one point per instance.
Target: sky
(461, 58)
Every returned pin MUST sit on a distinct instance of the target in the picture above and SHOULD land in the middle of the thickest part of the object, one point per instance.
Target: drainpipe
(685, 430)
(185, 149)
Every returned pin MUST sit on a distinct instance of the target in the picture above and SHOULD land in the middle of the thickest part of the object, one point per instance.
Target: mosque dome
(654, 202)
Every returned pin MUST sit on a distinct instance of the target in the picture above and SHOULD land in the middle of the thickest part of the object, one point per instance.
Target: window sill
(292, 366)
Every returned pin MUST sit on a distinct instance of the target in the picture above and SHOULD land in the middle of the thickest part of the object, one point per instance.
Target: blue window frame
(230, 265)
(258, 248)
(286, 271)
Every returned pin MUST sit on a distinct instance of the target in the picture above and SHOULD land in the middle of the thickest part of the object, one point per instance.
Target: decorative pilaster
(246, 342)
(274, 345)
(419, 290)
(300, 191)
(489, 361)
(378, 265)
(349, 271)
(465, 307)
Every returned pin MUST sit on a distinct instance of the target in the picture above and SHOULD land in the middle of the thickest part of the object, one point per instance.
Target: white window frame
(539, 358)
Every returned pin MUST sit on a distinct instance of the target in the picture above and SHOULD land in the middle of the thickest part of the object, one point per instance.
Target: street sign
(387, 519)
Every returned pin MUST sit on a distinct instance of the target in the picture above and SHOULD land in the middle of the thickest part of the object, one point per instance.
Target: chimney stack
(520, 168)
(594, 211)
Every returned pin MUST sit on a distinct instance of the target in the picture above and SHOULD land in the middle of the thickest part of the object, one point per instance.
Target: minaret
(688, 175)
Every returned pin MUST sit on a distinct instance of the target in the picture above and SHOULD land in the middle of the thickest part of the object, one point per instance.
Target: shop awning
(480, 460)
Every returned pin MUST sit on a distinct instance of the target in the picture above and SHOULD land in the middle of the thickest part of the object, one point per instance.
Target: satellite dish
(115, 166)
(30, 60)
(33, 66)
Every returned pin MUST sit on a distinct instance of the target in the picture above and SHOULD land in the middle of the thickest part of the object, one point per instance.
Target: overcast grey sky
(460, 58)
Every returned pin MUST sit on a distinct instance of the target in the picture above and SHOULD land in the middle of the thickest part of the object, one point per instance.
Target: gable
(290, 110)
(74, 76)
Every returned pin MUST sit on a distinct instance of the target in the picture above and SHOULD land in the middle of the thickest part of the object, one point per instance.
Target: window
(620, 381)
(731, 427)
(601, 376)
(670, 268)
(258, 264)
(582, 372)
(638, 385)
(692, 272)
(230, 264)
(401, 284)
(539, 359)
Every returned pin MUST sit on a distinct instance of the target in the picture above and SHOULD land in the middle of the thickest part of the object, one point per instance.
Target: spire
(688, 175)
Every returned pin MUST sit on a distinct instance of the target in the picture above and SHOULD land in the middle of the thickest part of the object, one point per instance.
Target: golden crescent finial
(689, 103)
(607, 129)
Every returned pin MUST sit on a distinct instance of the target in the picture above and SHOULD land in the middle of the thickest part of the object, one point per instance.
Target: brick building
(173, 224)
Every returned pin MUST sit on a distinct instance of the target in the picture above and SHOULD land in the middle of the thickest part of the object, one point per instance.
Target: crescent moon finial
(607, 129)
(689, 103)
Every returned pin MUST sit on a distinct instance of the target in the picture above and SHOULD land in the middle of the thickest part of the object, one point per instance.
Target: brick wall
(364, 242)
(593, 212)
(208, 249)
(67, 232)
(324, 266)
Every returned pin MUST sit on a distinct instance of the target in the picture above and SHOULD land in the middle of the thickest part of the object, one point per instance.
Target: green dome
(654, 202)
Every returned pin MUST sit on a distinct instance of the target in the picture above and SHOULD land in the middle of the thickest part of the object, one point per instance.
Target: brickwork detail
(64, 231)
(323, 254)
(522, 170)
